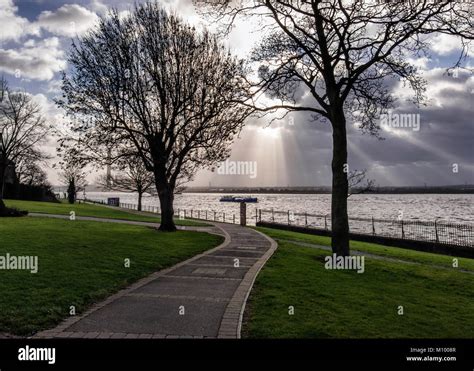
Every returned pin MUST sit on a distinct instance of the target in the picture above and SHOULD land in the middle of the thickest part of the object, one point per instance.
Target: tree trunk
(71, 192)
(2, 181)
(340, 186)
(3, 208)
(140, 195)
(166, 196)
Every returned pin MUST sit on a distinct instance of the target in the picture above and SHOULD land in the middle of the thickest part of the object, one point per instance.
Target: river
(455, 208)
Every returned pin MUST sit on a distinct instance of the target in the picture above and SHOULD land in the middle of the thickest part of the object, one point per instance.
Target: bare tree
(22, 128)
(31, 174)
(74, 178)
(150, 84)
(132, 177)
(356, 182)
(342, 54)
(28, 167)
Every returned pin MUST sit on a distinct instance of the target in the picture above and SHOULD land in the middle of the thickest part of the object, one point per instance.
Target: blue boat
(238, 199)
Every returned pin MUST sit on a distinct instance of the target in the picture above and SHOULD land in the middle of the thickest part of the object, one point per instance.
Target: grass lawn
(372, 248)
(91, 210)
(437, 302)
(80, 262)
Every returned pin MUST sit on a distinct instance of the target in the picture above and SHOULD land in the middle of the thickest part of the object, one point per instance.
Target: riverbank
(400, 294)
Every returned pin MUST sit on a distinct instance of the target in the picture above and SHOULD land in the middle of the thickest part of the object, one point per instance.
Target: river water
(454, 208)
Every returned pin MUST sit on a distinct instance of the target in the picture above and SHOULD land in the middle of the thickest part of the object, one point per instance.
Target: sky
(35, 36)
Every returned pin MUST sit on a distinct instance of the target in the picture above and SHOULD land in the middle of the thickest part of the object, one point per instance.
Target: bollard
(243, 214)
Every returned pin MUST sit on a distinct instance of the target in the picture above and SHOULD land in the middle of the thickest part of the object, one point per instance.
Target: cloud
(445, 44)
(68, 20)
(35, 60)
(13, 27)
(98, 7)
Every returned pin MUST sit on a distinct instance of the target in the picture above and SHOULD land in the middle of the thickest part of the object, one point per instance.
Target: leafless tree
(132, 177)
(22, 128)
(74, 177)
(29, 167)
(150, 84)
(342, 54)
(359, 183)
(30, 173)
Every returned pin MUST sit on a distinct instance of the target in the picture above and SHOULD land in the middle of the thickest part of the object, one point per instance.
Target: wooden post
(260, 215)
(273, 216)
(214, 215)
(233, 218)
(325, 223)
(436, 231)
(305, 219)
(223, 217)
(288, 217)
(403, 231)
(373, 226)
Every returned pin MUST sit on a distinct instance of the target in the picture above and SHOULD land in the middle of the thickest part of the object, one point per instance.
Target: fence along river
(451, 215)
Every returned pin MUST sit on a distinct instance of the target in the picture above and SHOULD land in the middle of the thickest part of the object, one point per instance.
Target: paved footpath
(203, 297)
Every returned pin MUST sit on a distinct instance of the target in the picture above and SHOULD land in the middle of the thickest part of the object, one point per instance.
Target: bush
(30, 192)
(10, 212)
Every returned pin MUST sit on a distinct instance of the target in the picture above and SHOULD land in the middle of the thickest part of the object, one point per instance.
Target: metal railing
(417, 230)
(180, 213)
(429, 231)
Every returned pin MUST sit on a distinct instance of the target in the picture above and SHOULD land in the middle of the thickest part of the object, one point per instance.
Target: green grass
(438, 302)
(372, 248)
(90, 210)
(80, 262)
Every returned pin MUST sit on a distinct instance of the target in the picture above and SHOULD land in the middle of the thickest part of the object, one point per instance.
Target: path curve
(202, 297)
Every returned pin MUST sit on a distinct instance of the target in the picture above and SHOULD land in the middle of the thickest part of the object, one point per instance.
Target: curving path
(203, 297)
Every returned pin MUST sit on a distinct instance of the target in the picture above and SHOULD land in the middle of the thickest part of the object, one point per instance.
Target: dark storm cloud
(35, 38)
(405, 156)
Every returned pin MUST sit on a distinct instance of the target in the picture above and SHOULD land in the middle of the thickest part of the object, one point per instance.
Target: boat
(238, 199)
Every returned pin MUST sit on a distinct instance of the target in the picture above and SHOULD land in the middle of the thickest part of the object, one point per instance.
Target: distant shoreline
(456, 189)
(288, 192)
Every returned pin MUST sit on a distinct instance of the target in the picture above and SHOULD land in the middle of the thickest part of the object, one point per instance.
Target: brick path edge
(231, 324)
